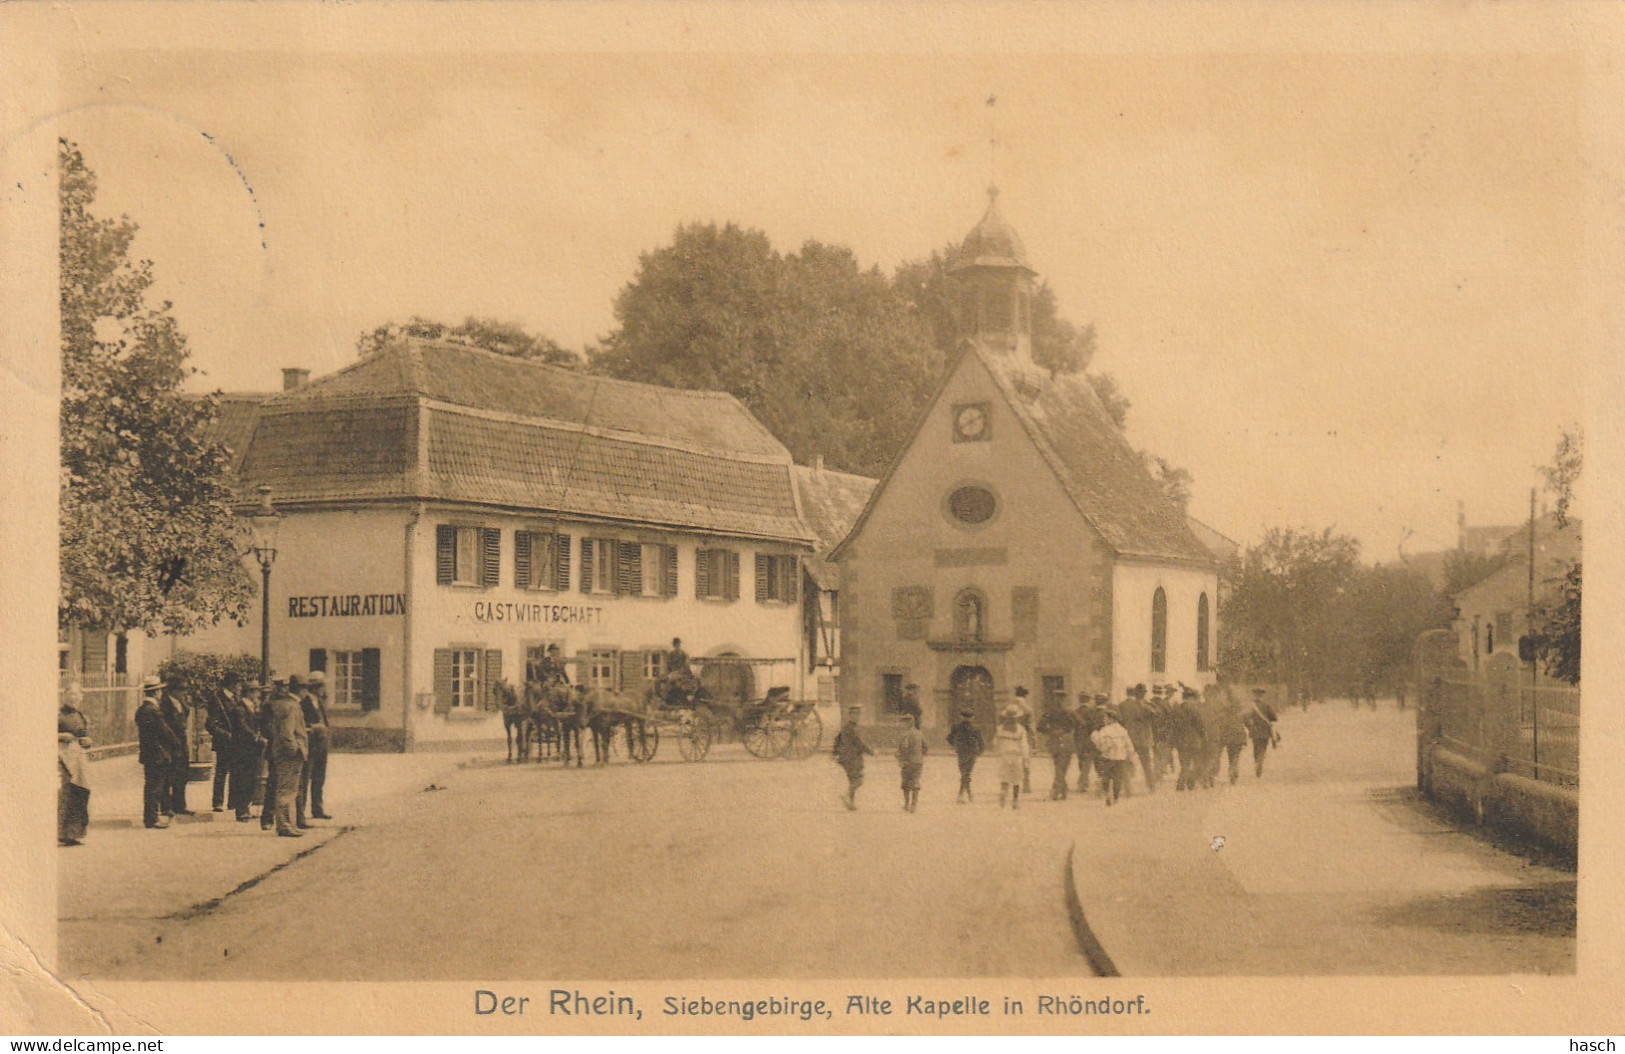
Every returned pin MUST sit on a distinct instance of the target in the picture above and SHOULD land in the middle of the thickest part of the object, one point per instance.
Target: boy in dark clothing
(966, 739)
(848, 753)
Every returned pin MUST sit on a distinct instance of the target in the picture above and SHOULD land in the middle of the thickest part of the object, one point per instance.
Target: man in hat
(1116, 748)
(268, 736)
(968, 744)
(1186, 736)
(1088, 718)
(1134, 714)
(849, 751)
(158, 747)
(1260, 722)
(909, 705)
(218, 724)
(290, 745)
(1058, 728)
(175, 714)
(247, 749)
(313, 703)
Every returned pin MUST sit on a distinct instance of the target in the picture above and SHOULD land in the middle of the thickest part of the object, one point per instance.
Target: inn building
(446, 513)
(1017, 540)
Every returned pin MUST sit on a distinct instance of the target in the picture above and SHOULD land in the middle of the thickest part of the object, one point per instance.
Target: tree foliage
(835, 359)
(504, 338)
(148, 537)
(1301, 610)
(1557, 621)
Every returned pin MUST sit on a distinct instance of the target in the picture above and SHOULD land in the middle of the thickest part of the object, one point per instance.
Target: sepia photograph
(860, 525)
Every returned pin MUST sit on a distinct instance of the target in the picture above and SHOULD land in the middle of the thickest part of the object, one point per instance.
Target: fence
(1502, 750)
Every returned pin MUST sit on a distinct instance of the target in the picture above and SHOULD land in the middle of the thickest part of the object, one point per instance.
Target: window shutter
(318, 660)
(632, 673)
(702, 573)
(493, 675)
(445, 553)
(628, 568)
(491, 566)
(371, 668)
(561, 562)
(442, 680)
(733, 573)
(586, 565)
(792, 578)
(764, 568)
(668, 570)
(521, 559)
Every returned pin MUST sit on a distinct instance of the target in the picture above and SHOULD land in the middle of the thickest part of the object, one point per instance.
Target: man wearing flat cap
(312, 780)
(290, 745)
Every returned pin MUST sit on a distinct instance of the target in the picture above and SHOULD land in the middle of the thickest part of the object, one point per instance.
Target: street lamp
(267, 522)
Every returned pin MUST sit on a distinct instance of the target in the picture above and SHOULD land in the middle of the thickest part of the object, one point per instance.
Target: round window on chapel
(972, 505)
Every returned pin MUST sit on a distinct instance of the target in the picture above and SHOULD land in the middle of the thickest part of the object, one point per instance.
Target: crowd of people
(1168, 729)
(270, 745)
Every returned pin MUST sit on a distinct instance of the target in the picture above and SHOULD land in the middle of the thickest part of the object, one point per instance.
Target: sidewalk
(1329, 865)
(125, 876)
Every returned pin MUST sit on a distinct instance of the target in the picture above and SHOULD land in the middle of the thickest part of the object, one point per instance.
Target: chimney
(293, 377)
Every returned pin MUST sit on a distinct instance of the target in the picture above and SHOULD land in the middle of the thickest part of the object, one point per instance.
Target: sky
(1341, 289)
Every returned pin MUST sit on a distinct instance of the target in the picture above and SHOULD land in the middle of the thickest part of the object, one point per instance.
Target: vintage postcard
(814, 519)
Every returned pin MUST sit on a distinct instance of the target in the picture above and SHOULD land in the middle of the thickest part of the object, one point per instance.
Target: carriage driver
(549, 671)
(679, 679)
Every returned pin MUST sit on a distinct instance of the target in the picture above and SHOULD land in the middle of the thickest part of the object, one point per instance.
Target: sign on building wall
(545, 614)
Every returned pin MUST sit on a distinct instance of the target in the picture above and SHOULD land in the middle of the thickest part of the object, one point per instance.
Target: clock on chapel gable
(972, 423)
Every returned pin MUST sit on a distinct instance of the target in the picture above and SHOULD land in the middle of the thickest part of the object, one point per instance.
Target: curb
(1099, 961)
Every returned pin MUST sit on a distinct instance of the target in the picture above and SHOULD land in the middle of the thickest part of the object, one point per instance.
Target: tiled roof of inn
(445, 422)
(830, 503)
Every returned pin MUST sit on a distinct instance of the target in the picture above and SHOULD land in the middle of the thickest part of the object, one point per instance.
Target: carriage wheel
(766, 740)
(806, 732)
(642, 740)
(694, 740)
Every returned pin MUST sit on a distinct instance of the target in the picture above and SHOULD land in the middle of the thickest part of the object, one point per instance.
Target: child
(1010, 742)
(1115, 746)
(966, 739)
(911, 759)
(849, 751)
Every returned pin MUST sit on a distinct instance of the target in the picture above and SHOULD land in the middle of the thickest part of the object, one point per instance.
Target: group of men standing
(1159, 727)
(270, 744)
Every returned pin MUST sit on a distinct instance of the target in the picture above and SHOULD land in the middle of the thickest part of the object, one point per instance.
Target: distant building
(830, 503)
(448, 513)
(1493, 613)
(1017, 539)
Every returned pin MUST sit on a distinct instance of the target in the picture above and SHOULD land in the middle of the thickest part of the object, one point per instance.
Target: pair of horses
(552, 717)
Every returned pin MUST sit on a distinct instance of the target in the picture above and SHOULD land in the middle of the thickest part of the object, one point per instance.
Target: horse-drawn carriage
(695, 712)
(719, 704)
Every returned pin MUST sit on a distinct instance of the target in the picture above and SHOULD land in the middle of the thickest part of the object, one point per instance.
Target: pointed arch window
(970, 615)
(1159, 631)
(1202, 634)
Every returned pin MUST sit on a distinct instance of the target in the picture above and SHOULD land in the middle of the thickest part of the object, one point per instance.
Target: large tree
(504, 338)
(148, 537)
(823, 351)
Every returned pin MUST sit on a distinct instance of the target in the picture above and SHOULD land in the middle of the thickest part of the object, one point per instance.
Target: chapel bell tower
(995, 284)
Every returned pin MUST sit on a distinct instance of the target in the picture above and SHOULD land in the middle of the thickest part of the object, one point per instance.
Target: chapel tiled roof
(1220, 545)
(830, 503)
(426, 420)
(1104, 476)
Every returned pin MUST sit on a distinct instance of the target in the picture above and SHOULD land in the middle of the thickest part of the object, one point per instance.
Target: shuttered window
(467, 556)
(776, 578)
(716, 574)
(654, 570)
(602, 667)
(541, 560)
(461, 676)
(601, 566)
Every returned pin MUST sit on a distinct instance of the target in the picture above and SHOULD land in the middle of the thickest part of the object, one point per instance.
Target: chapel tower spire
(995, 284)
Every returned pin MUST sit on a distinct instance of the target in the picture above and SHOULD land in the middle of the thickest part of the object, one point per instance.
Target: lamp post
(267, 522)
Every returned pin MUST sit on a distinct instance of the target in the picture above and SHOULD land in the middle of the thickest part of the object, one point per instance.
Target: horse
(516, 720)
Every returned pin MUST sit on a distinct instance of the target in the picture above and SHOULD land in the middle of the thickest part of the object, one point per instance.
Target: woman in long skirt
(73, 795)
